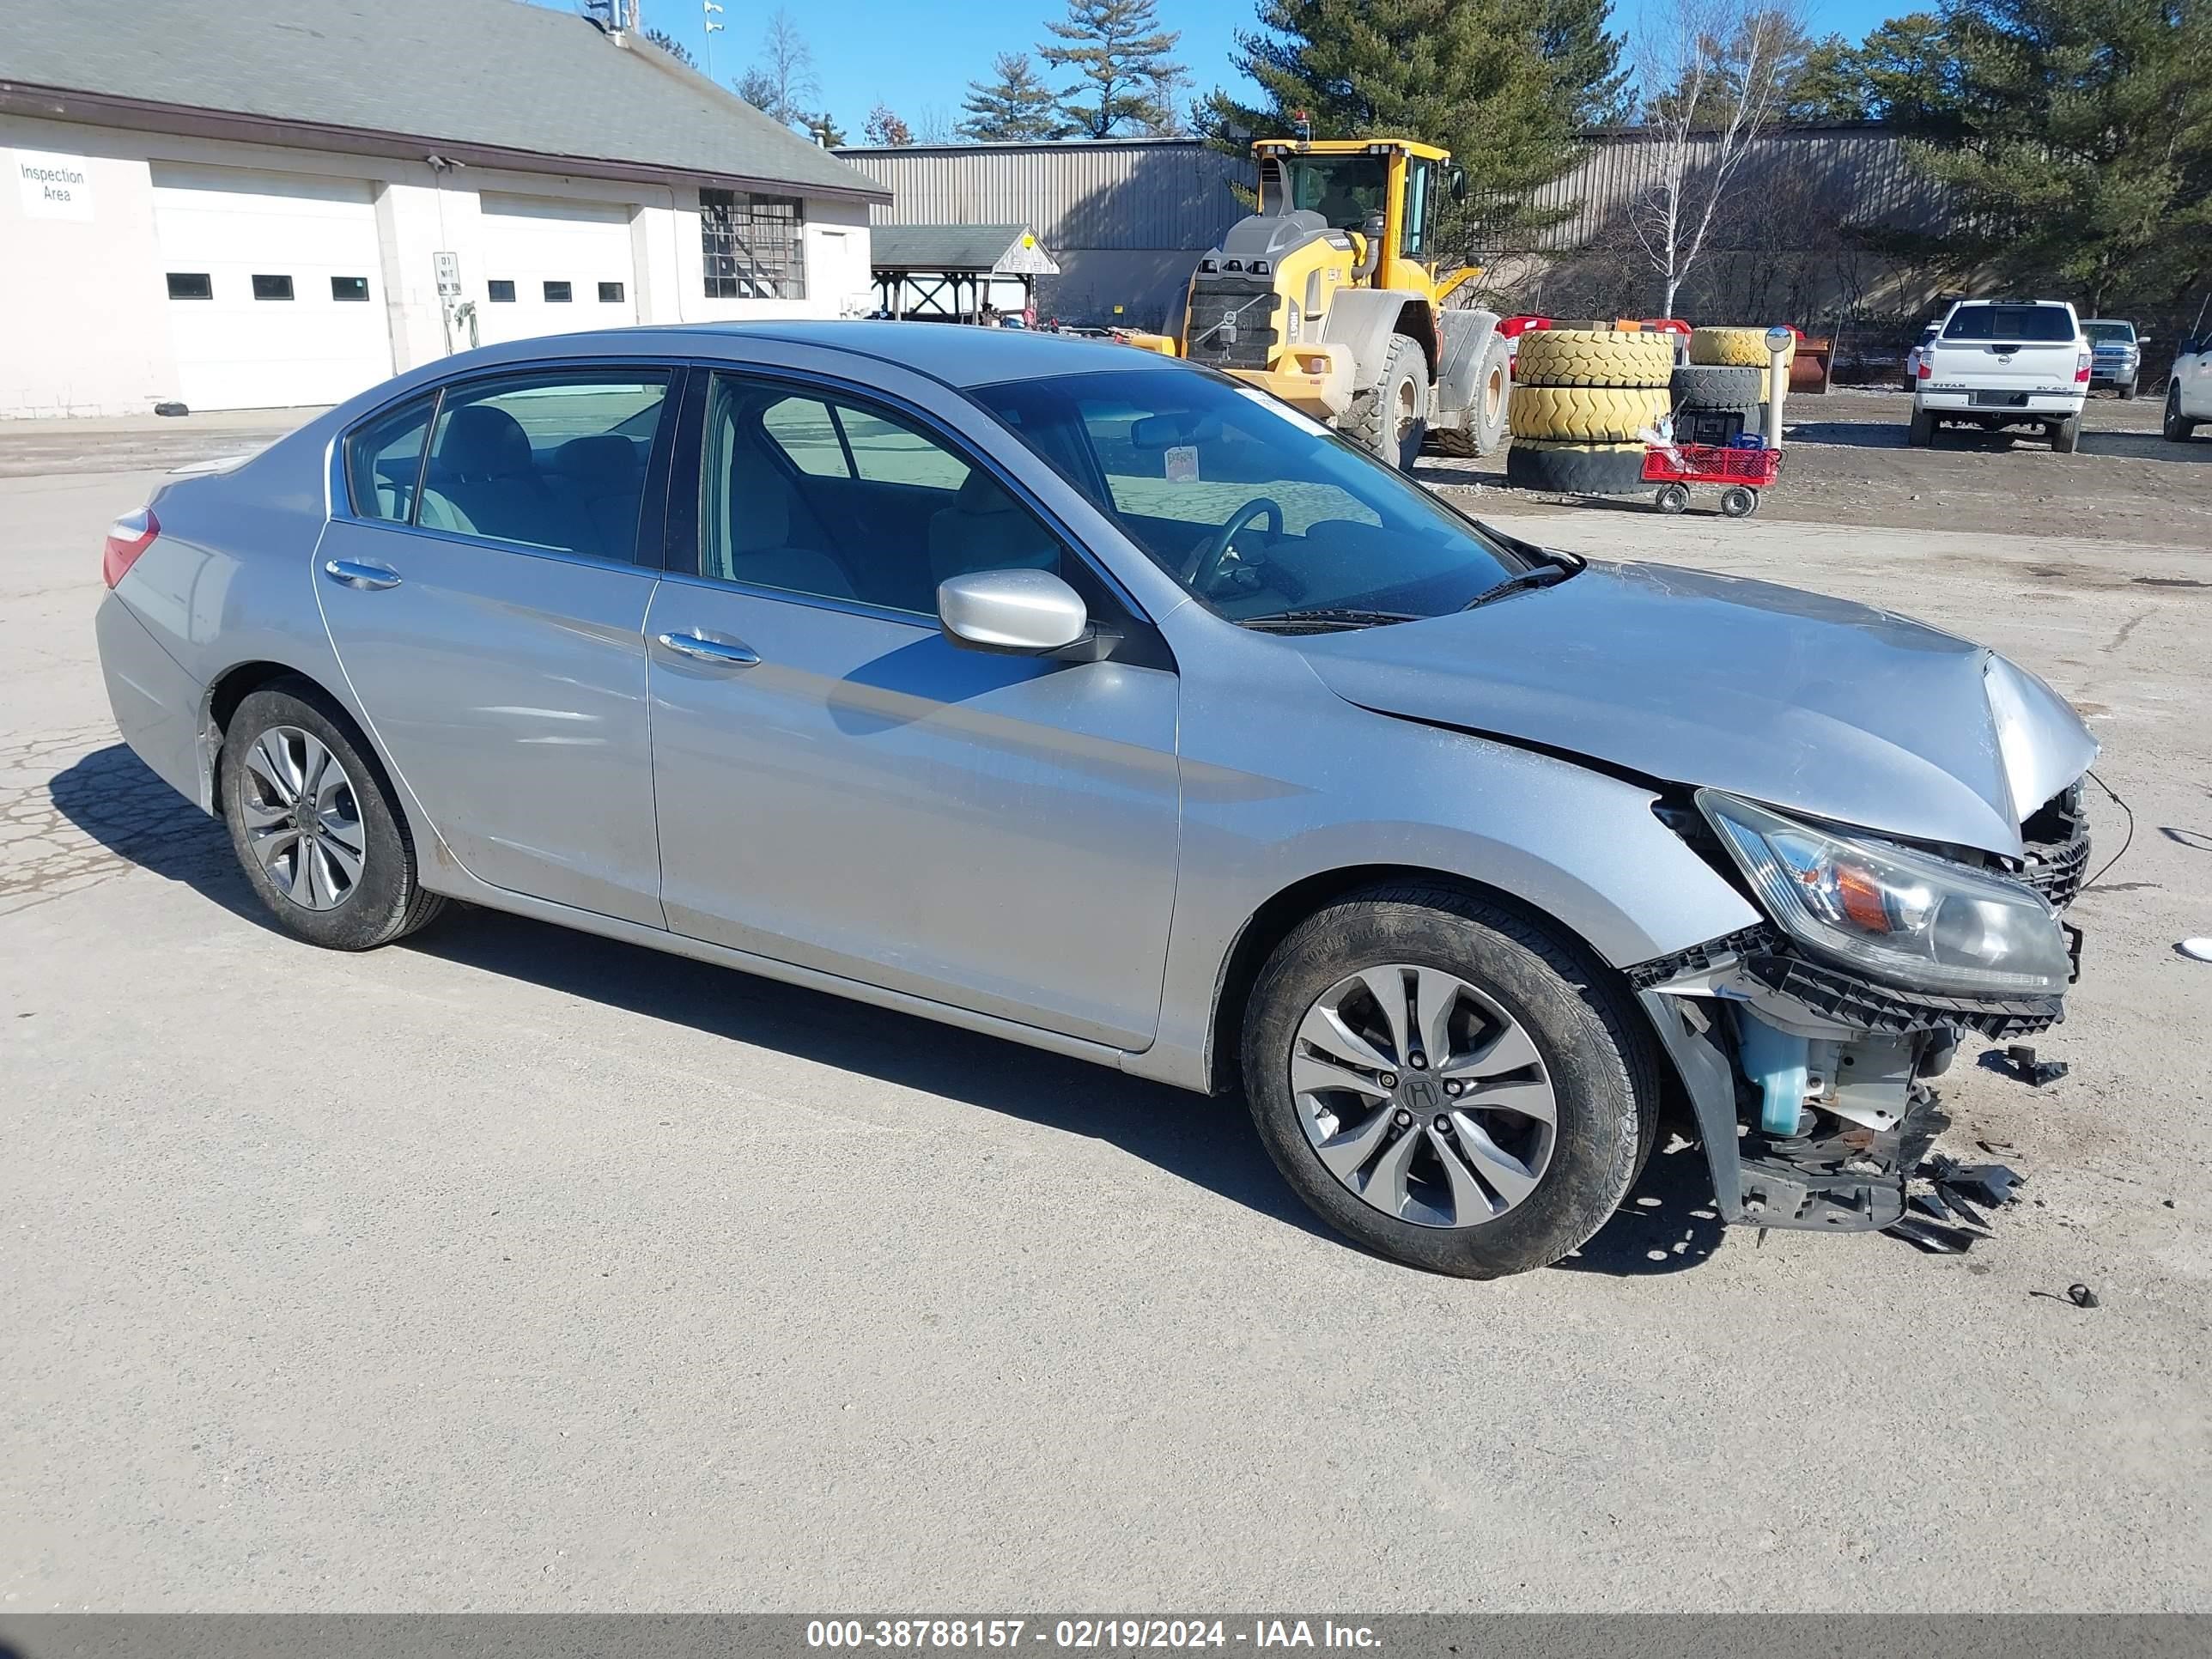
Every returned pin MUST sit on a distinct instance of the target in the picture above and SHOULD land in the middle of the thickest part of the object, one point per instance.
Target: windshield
(1253, 507)
(1343, 189)
(2109, 333)
(2024, 323)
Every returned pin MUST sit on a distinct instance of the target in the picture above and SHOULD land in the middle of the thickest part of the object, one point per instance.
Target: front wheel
(315, 827)
(1671, 498)
(1391, 417)
(2128, 391)
(2177, 430)
(1452, 1085)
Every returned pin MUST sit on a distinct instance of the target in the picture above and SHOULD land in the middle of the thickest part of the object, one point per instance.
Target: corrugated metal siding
(1156, 193)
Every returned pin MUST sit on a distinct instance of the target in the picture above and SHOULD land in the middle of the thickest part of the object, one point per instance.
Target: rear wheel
(1391, 419)
(2177, 430)
(1671, 498)
(2066, 434)
(313, 824)
(1452, 1085)
(1738, 502)
(1922, 432)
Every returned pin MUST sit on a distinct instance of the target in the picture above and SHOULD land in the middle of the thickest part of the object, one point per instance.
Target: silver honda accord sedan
(1094, 700)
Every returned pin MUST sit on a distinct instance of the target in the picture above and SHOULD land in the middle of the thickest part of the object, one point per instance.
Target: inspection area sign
(53, 187)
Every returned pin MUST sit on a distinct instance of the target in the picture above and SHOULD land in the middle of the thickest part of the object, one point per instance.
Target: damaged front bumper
(1811, 1082)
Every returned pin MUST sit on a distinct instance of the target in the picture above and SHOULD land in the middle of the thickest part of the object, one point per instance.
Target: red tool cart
(1741, 474)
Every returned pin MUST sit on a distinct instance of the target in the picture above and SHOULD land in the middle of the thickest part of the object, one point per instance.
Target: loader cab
(1390, 191)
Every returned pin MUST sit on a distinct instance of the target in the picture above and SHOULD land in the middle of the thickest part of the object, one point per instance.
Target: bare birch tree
(1714, 75)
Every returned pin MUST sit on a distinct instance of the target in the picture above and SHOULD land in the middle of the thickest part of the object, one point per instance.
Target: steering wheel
(1213, 558)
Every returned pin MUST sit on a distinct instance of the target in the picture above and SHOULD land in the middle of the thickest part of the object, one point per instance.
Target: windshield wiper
(1323, 617)
(1542, 577)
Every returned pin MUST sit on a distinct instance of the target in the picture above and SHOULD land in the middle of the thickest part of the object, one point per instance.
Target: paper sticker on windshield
(1282, 411)
(1182, 464)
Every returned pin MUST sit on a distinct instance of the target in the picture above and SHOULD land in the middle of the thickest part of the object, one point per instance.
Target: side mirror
(1459, 184)
(2145, 339)
(1020, 612)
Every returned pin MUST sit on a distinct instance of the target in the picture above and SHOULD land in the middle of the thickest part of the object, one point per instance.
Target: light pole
(707, 9)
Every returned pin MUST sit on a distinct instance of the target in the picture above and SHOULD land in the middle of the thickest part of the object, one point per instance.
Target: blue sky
(913, 56)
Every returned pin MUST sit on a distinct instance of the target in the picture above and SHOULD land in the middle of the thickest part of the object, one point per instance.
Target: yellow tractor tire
(1587, 414)
(1740, 348)
(1593, 357)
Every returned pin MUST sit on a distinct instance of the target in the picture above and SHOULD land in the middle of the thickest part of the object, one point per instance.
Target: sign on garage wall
(54, 186)
(449, 274)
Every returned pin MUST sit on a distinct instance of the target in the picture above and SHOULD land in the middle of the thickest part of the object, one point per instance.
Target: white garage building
(260, 204)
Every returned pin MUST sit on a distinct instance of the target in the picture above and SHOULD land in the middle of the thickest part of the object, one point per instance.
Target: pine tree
(1468, 74)
(2077, 144)
(1585, 56)
(884, 127)
(1017, 106)
(674, 47)
(1902, 74)
(1121, 57)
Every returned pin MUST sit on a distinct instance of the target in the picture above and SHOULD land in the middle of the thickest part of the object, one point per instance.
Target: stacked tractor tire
(1727, 375)
(1582, 399)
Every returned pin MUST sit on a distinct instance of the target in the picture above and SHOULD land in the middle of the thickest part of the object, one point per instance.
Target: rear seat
(607, 474)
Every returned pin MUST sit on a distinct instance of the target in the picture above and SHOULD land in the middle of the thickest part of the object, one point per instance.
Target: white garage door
(551, 267)
(276, 295)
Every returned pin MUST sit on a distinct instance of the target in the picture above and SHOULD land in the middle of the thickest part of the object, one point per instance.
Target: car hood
(1813, 704)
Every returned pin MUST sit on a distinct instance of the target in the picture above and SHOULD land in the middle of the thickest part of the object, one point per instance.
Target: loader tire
(1567, 468)
(1586, 414)
(1456, 441)
(1390, 419)
(1709, 387)
(1746, 347)
(1593, 357)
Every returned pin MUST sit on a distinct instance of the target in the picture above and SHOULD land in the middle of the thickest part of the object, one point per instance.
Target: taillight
(1926, 371)
(2081, 369)
(127, 538)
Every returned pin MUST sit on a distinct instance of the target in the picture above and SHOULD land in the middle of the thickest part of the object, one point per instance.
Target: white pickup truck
(1999, 363)
(2188, 390)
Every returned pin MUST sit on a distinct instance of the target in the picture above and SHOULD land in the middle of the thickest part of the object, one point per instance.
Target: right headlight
(1905, 917)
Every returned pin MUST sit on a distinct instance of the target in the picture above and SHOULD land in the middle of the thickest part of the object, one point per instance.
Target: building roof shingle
(511, 79)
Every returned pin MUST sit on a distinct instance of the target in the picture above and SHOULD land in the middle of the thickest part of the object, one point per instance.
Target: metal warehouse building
(263, 203)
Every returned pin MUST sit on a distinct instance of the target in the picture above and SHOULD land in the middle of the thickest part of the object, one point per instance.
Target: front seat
(755, 535)
(986, 529)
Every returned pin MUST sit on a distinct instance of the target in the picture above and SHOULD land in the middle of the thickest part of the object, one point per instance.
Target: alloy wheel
(302, 818)
(1423, 1096)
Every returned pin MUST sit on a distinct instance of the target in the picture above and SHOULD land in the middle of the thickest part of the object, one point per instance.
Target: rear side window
(556, 459)
(2039, 325)
(384, 462)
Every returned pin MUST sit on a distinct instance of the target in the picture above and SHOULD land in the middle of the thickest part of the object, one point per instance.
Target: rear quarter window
(2039, 325)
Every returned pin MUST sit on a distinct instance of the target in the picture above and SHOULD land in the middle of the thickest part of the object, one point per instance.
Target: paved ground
(514, 1269)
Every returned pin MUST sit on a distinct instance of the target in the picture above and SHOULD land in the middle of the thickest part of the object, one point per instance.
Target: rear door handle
(705, 648)
(353, 574)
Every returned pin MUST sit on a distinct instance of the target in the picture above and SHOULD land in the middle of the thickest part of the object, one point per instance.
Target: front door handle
(354, 575)
(704, 648)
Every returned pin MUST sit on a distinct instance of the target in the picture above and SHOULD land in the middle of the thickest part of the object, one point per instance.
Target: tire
(1377, 419)
(1493, 396)
(2128, 393)
(1672, 499)
(1504, 979)
(351, 883)
(1593, 357)
(1711, 386)
(1738, 502)
(2175, 430)
(2066, 435)
(1569, 468)
(1743, 347)
(1586, 414)
(1921, 434)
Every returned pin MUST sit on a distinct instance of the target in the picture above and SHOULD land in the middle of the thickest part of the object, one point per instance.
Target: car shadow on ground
(111, 796)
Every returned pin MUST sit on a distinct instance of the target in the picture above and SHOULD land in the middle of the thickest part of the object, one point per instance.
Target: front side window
(1252, 507)
(555, 461)
(384, 462)
(822, 495)
(752, 247)
(2042, 324)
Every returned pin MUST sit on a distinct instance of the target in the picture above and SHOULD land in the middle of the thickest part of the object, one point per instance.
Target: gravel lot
(514, 1269)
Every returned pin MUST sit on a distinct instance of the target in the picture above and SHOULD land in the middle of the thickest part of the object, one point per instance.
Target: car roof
(958, 354)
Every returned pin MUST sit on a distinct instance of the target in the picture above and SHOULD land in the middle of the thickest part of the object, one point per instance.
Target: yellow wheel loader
(1332, 297)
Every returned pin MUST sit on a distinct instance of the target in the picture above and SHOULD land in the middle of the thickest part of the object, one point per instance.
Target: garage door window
(555, 462)
(191, 285)
(752, 247)
(611, 294)
(349, 288)
(502, 292)
(272, 288)
(556, 294)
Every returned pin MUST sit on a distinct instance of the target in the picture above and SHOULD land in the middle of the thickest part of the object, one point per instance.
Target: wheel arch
(1273, 922)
